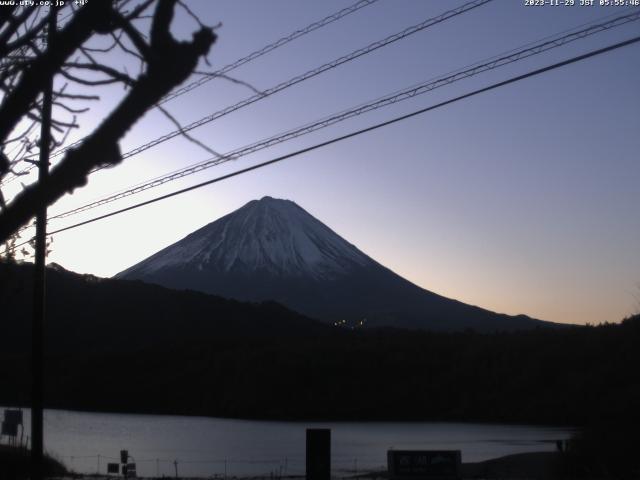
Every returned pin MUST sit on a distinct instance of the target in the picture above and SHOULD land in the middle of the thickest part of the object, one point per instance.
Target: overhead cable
(359, 110)
(241, 61)
(301, 78)
(268, 48)
(352, 134)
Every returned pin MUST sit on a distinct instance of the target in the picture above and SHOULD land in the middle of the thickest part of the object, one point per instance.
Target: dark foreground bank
(14, 464)
(121, 346)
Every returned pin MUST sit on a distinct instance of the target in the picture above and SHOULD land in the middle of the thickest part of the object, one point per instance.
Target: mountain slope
(87, 314)
(272, 249)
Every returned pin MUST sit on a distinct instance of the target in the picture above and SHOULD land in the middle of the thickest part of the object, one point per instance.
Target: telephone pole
(37, 334)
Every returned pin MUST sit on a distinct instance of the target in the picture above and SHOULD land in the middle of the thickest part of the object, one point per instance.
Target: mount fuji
(272, 249)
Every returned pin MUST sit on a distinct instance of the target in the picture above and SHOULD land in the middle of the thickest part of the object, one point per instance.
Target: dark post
(37, 334)
(124, 460)
(318, 454)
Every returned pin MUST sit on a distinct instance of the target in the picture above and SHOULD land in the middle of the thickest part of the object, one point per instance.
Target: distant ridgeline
(272, 249)
(116, 345)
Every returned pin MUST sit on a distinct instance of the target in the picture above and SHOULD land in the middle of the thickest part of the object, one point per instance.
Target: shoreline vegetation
(186, 353)
(571, 377)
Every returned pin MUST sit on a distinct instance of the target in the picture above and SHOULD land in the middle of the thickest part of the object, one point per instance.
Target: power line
(402, 95)
(281, 42)
(268, 48)
(291, 82)
(237, 63)
(209, 162)
(352, 134)
(309, 74)
(305, 76)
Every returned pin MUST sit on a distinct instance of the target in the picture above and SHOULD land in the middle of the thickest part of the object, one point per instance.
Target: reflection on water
(204, 446)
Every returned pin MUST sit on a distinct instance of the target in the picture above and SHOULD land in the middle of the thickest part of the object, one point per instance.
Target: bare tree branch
(78, 30)
(168, 63)
(111, 72)
(186, 135)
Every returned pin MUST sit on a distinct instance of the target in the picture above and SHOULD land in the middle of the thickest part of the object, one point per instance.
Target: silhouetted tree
(78, 59)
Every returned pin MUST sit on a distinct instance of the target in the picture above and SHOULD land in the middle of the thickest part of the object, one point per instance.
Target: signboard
(124, 456)
(13, 416)
(131, 470)
(113, 468)
(427, 464)
(10, 429)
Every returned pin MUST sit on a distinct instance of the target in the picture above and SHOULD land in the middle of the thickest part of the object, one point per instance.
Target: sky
(520, 200)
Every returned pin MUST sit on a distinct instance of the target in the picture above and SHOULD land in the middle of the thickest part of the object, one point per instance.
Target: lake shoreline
(535, 465)
(215, 447)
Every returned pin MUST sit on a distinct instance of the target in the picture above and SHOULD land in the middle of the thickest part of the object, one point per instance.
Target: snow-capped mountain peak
(269, 235)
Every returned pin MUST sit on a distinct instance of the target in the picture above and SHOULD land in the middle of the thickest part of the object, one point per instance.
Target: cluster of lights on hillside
(352, 326)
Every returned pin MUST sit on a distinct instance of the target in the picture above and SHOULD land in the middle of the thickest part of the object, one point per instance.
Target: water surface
(205, 446)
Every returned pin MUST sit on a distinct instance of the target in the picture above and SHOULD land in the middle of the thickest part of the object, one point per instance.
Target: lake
(202, 446)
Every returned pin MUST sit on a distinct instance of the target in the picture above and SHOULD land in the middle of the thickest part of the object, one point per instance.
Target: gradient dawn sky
(525, 199)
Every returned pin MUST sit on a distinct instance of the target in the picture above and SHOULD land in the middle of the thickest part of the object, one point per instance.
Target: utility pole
(37, 333)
